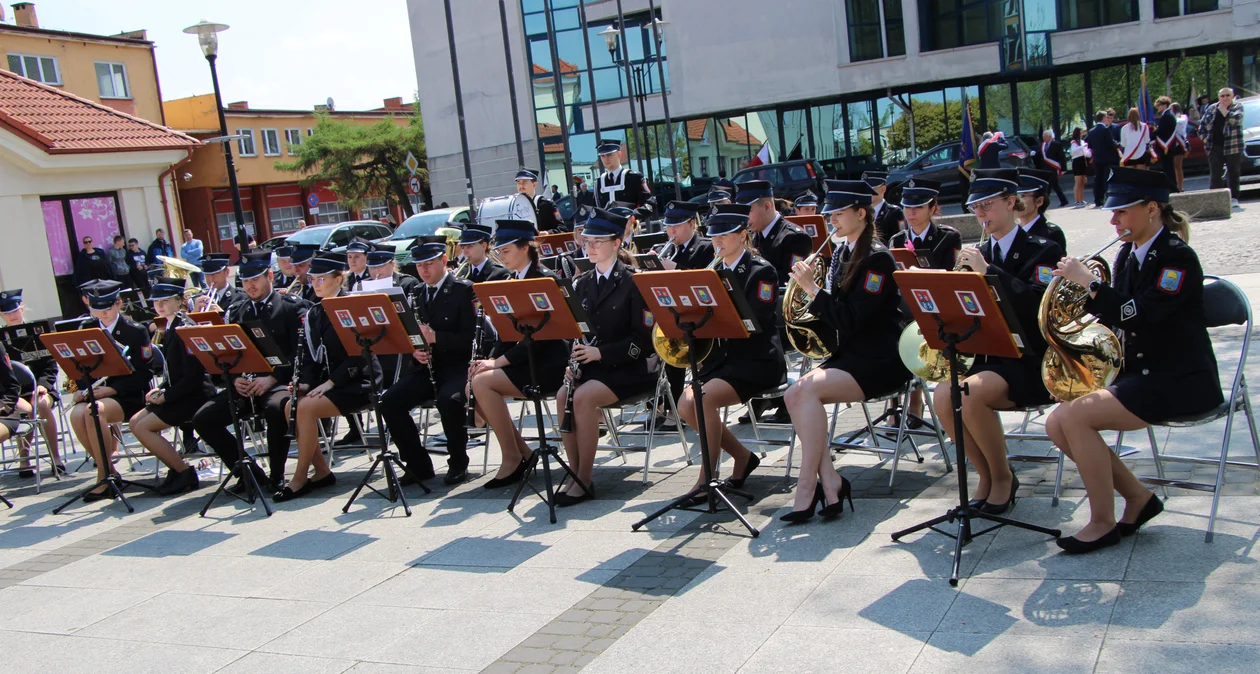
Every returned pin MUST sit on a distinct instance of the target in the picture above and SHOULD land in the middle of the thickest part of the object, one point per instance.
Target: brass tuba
(1083, 356)
(452, 241)
(674, 350)
(922, 360)
(805, 332)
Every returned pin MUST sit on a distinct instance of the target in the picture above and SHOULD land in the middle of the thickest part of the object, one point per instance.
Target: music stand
(702, 305)
(211, 317)
(906, 259)
(959, 312)
(531, 310)
(556, 244)
(228, 349)
(814, 225)
(93, 355)
(23, 339)
(377, 324)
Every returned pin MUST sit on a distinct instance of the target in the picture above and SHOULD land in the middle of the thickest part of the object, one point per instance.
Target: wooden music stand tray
(530, 310)
(907, 259)
(228, 349)
(814, 225)
(211, 317)
(696, 304)
(93, 355)
(374, 324)
(556, 244)
(959, 312)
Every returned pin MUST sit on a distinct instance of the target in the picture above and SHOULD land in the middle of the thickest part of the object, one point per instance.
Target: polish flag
(763, 155)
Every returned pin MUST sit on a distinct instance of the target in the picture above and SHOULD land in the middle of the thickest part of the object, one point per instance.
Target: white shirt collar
(109, 329)
(770, 227)
(478, 267)
(524, 270)
(1005, 242)
(916, 237)
(1029, 225)
(737, 261)
(1145, 248)
(604, 274)
(687, 243)
(438, 285)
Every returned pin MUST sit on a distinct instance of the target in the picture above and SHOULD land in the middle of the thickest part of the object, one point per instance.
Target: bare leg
(975, 455)
(49, 427)
(491, 387)
(1101, 470)
(806, 402)
(309, 412)
(148, 427)
(988, 392)
(587, 400)
(110, 412)
(717, 394)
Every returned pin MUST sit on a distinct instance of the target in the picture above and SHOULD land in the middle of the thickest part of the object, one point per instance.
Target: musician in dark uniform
(738, 369)
(444, 306)
(382, 265)
(12, 405)
(860, 306)
(44, 369)
(888, 217)
(545, 212)
(613, 360)
(474, 245)
(506, 373)
(260, 393)
(1034, 189)
(183, 389)
(686, 249)
(806, 204)
(302, 257)
(1024, 264)
(618, 183)
(332, 383)
(285, 262)
(780, 242)
(939, 243)
(121, 396)
(356, 260)
(1155, 306)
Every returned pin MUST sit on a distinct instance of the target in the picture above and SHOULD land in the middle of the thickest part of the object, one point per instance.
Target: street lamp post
(611, 38)
(207, 36)
(658, 34)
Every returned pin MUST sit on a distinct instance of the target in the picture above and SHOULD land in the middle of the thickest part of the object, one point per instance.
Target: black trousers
(1101, 173)
(1058, 190)
(413, 389)
(1169, 170)
(214, 419)
(1224, 169)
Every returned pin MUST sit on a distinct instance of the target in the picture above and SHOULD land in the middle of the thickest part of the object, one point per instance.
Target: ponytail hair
(861, 248)
(1175, 221)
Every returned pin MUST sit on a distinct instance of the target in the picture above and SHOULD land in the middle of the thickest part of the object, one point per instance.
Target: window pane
(861, 125)
(1196, 6)
(50, 70)
(104, 80)
(120, 81)
(1118, 11)
(1167, 8)
(864, 33)
(32, 68)
(15, 65)
(997, 108)
(827, 129)
(1072, 112)
(894, 31)
(1035, 112)
(1109, 89)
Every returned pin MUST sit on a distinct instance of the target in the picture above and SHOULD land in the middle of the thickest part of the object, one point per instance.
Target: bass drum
(511, 207)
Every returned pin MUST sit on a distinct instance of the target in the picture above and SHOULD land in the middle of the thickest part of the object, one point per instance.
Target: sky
(278, 54)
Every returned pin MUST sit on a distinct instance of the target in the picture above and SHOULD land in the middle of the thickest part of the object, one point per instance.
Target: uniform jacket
(1048, 230)
(619, 319)
(226, 297)
(548, 217)
(939, 242)
(763, 349)
(889, 220)
(1166, 135)
(10, 389)
(133, 341)
(867, 317)
(1024, 271)
(1157, 311)
(697, 255)
(490, 271)
(453, 316)
(621, 185)
(185, 376)
(353, 280)
(517, 353)
(326, 358)
(786, 245)
(281, 314)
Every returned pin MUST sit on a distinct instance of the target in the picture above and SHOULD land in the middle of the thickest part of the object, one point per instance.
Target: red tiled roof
(565, 67)
(62, 123)
(695, 129)
(546, 130)
(737, 135)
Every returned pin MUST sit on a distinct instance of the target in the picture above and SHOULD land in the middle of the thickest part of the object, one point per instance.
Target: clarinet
(415, 303)
(570, 382)
(471, 420)
(293, 384)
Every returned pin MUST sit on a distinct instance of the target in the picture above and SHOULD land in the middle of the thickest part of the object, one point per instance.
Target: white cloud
(277, 54)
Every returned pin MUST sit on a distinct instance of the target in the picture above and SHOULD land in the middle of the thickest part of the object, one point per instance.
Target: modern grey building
(836, 80)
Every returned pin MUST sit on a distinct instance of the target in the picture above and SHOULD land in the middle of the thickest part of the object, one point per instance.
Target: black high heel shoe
(1073, 546)
(798, 516)
(835, 509)
(752, 464)
(1153, 507)
(990, 508)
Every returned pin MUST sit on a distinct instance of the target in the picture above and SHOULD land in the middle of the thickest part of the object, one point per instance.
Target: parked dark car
(941, 164)
(1251, 136)
(790, 178)
(852, 167)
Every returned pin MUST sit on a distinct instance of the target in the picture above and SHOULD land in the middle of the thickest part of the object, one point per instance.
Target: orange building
(273, 201)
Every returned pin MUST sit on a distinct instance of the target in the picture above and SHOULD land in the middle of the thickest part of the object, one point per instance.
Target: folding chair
(28, 437)
(617, 430)
(901, 433)
(1224, 304)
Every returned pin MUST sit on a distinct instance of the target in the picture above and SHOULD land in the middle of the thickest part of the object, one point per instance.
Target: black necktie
(600, 283)
(257, 312)
(835, 268)
(997, 252)
(430, 291)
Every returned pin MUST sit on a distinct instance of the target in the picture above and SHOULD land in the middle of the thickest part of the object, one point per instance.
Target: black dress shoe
(1073, 546)
(564, 499)
(512, 478)
(350, 440)
(178, 483)
(99, 495)
(990, 508)
(26, 474)
(1153, 507)
(837, 508)
(753, 462)
(287, 494)
(798, 516)
(977, 503)
(59, 469)
(323, 482)
(455, 476)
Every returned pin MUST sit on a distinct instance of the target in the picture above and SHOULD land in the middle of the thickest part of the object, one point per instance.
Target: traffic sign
(414, 185)
(312, 200)
(413, 164)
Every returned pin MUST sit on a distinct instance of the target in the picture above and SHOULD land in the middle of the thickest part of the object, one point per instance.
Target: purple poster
(58, 244)
(95, 217)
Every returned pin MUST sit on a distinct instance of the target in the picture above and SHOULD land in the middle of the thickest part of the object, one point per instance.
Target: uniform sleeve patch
(634, 350)
(147, 352)
(1045, 273)
(648, 319)
(1128, 310)
(1170, 280)
(874, 282)
(796, 258)
(765, 291)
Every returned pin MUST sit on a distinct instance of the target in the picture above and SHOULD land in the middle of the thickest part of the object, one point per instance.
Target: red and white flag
(763, 155)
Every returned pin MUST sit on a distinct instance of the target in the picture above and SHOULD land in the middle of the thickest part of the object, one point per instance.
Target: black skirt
(876, 377)
(550, 372)
(1144, 160)
(624, 382)
(179, 412)
(1080, 167)
(130, 405)
(747, 381)
(11, 424)
(349, 401)
(1022, 376)
(1148, 396)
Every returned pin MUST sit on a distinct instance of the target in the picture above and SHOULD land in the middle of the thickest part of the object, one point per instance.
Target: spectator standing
(192, 249)
(301, 225)
(1050, 158)
(91, 264)
(1183, 123)
(1105, 152)
(555, 193)
(1221, 131)
(1201, 104)
(1080, 165)
(137, 265)
(990, 150)
(117, 255)
(1111, 124)
(1166, 140)
(1135, 142)
(160, 246)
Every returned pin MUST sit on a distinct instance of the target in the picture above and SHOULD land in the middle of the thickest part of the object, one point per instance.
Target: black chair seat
(1218, 412)
(774, 391)
(632, 400)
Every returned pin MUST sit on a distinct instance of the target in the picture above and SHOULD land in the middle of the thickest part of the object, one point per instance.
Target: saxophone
(293, 383)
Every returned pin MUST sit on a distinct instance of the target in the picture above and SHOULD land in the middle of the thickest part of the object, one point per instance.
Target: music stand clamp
(93, 355)
(377, 324)
(528, 311)
(227, 349)
(958, 312)
(701, 307)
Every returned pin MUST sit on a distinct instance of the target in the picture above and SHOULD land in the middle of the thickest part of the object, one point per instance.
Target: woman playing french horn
(1156, 301)
(859, 302)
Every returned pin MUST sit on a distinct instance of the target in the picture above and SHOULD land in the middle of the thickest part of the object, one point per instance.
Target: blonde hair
(1175, 221)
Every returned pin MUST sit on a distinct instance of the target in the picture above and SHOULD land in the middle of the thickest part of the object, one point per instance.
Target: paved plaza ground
(465, 586)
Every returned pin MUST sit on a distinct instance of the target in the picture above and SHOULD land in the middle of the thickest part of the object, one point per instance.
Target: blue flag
(1146, 110)
(968, 155)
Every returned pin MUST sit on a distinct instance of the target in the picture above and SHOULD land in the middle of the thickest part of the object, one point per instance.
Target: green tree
(934, 123)
(655, 146)
(362, 161)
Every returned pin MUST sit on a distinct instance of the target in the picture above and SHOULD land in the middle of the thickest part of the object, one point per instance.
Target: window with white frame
(246, 145)
(111, 79)
(331, 213)
(271, 142)
(285, 219)
(227, 224)
(293, 138)
(39, 68)
(374, 209)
